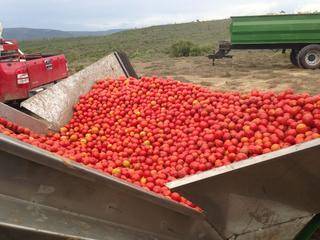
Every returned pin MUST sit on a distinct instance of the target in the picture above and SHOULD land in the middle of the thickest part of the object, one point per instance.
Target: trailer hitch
(223, 51)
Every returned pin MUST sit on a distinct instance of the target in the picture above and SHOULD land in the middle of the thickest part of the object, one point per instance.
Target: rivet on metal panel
(113, 207)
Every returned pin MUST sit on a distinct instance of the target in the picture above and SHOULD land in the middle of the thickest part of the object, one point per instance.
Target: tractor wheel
(294, 57)
(309, 57)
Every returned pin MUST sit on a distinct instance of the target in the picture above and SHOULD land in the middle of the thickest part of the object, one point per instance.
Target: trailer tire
(294, 57)
(309, 57)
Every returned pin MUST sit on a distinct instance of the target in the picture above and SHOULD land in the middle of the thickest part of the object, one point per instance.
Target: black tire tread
(302, 54)
(294, 57)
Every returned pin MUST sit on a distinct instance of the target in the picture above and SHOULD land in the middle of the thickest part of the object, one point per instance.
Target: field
(147, 44)
(148, 49)
(263, 70)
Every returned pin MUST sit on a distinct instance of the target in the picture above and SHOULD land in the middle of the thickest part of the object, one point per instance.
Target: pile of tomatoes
(152, 131)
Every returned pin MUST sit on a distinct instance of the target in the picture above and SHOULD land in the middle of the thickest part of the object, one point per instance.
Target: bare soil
(247, 70)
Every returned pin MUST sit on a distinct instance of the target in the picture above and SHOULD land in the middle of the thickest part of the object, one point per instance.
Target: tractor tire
(309, 57)
(294, 57)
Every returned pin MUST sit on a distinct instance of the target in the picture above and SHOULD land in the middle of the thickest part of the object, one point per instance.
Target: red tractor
(23, 75)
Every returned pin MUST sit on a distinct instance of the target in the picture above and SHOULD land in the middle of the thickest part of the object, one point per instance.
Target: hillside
(146, 43)
(148, 49)
(33, 34)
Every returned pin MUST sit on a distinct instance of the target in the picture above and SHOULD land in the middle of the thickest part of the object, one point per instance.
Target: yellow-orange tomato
(126, 163)
(275, 147)
(143, 180)
(73, 137)
(103, 138)
(88, 137)
(63, 138)
(116, 171)
(95, 130)
(63, 130)
(302, 128)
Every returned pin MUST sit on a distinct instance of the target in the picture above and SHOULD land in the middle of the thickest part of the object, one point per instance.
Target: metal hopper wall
(44, 193)
(55, 105)
(272, 196)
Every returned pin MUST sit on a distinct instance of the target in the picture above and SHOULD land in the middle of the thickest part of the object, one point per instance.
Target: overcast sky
(108, 14)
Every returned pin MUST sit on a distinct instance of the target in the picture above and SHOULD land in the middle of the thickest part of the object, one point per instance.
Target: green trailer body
(299, 33)
(276, 29)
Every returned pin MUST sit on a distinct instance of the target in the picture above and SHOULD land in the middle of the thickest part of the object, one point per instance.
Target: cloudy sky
(108, 14)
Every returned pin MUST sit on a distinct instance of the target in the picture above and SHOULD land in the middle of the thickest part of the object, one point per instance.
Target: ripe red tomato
(153, 130)
(308, 119)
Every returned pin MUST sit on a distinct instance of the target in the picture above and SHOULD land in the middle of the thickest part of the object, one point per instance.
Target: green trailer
(299, 33)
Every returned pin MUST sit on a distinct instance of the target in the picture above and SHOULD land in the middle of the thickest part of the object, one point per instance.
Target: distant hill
(33, 34)
(149, 43)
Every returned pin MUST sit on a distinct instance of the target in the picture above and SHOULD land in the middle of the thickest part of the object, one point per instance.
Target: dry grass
(263, 70)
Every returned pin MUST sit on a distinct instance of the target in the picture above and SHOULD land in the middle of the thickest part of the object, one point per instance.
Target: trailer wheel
(294, 57)
(309, 57)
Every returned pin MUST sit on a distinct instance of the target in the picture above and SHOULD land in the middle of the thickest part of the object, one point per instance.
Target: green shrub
(186, 49)
(200, 51)
(196, 51)
(206, 50)
(181, 49)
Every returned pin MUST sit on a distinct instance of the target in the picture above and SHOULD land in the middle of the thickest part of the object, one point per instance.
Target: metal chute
(272, 196)
(44, 196)
(55, 105)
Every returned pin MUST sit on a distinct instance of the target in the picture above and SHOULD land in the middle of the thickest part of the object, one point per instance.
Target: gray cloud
(106, 14)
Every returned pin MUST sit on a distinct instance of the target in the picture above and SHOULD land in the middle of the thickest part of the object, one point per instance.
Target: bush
(205, 50)
(181, 49)
(195, 51)
(186, 49)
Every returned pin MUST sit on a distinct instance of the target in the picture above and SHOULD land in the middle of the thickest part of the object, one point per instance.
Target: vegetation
(187, 49)
(146, 44)
(33, 34)
(181, 49)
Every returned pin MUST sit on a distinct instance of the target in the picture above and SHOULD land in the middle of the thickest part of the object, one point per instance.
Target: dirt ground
(247, 70)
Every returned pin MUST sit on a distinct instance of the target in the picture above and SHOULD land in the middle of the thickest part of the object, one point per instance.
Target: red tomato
(153, 130)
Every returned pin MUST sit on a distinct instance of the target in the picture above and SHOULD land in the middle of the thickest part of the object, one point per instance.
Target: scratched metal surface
(12, 233)
(284, 231)
(259, 193)
(45, 193)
